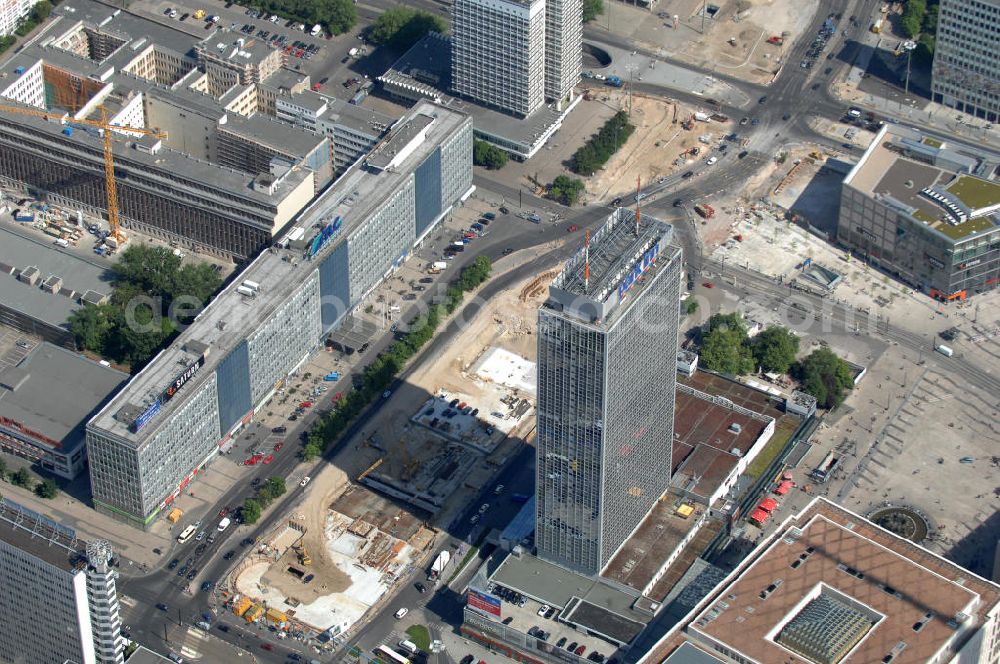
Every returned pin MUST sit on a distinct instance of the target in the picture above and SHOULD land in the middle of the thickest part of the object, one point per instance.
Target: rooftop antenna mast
(586, 262)
(638, 198)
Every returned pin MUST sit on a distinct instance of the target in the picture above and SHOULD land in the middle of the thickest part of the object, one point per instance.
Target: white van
(408, 646)
(224, 524)
(944, 350)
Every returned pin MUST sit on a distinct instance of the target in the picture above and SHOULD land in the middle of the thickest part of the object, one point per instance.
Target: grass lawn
(771, 450)
(420, 637)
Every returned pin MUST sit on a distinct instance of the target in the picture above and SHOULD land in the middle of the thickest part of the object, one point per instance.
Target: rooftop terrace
(944, 187)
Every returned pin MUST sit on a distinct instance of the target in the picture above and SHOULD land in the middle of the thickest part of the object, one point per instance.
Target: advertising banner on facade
(484, 602)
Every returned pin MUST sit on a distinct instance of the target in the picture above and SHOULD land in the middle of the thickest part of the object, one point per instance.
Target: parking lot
(328, 60)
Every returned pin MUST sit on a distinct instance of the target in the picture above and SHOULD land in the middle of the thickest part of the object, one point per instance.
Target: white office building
(59, 591)
(563, 47)
(966, 73)
(498, 53)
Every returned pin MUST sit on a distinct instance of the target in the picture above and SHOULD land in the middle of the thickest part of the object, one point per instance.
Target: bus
(392, 657)
(186, 535)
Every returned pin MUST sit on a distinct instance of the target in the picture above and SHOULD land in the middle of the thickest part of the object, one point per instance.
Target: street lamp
(908, 46)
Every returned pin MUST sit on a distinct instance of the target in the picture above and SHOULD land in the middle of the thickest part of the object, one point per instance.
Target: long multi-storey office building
(925, 210)
(154, 436)
(353, 131)
(225, 179)
(966, 71)
(498, 53)
(607, 346)
(57, 592)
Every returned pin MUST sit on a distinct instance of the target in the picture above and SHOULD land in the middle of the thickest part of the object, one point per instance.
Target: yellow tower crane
(111, 189)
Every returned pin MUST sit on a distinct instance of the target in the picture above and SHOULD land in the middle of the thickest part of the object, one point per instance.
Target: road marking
(197, 633)
(127, 601)
(190, 652)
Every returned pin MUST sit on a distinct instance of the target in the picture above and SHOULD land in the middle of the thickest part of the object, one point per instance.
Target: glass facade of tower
(606, 411)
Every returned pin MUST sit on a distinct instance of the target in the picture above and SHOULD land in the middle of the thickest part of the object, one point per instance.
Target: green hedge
(382, 371)
(590, 157)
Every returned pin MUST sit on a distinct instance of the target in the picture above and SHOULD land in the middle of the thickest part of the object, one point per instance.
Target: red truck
(705, 210)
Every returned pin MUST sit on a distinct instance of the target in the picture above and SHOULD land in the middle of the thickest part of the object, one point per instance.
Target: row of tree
(919, 21)
(727, 348)
(266, 494)
(593, 154)
(152, 294)
(337, 16)
(401, 27)
(46, 488)
(488, 156)
(378, 375)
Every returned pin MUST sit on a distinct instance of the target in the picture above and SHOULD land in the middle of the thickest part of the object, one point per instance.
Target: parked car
(401, 613)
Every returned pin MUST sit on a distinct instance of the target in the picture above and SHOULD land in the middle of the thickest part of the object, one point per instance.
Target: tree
(3, 469)
(276, 485)
(913, 17)
(92, 325)
(775, 349)
(592, 9)
(725, 347)
(825, 376)
(338, 16)
(566, 190)
(593, 154)
(151, 269)
(21, 477)
(250, 512)
(47, 489)
(401, 27)
(41, 11)
(488, 156)
(732, 321)
(691, 307)
(726, 351)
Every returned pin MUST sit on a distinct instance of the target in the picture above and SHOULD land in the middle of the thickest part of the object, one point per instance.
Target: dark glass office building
(607, 342)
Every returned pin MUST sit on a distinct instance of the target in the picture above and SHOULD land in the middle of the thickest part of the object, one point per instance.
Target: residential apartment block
(58, 593)
(925, 210)
(173, 417)
(966, 72)
(11, 13)
(607, 344)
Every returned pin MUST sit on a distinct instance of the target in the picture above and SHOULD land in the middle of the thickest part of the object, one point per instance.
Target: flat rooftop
(230, 318)
(18, 252)
(40, 536)
(827, 562)
(702, 460)
(399, 139)
(556, 586)
(605, 278)
(146, 656)
(54, 391)
(934, 182)
(426, 68)
(688, 653)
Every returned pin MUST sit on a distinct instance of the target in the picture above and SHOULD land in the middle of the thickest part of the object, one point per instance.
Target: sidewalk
(931, 114)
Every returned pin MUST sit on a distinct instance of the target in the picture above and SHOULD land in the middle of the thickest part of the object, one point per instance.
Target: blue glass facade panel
(233, 379)
(428, 191)
(334, 285)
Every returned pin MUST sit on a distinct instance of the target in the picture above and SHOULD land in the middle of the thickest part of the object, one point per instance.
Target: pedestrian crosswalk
(127, 601)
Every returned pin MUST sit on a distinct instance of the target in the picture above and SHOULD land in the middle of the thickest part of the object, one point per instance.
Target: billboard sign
(184, 377)
(484, 603)
(146, 416)
(647, 261)
(325, 236)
